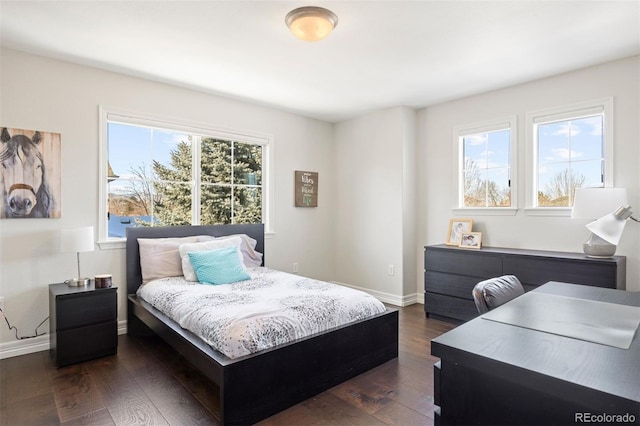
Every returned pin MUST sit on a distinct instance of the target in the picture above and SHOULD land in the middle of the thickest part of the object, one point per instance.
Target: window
(571, 148)
(160, 173)
(485, 155)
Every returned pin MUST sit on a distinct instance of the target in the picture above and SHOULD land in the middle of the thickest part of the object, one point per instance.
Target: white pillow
(159, 257)
(250, 256)
(187, 269)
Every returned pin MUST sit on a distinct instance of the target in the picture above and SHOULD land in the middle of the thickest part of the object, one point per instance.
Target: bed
(256, 386)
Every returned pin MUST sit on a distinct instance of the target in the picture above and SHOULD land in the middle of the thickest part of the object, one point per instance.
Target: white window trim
(107, 114)
(511, 123)
(559, 113)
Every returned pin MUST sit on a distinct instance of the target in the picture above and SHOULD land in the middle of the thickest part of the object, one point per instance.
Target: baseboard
(24, 346)
(37, 344)
(389, 298)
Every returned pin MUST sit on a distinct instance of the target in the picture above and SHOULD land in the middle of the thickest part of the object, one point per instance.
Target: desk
(496, 373)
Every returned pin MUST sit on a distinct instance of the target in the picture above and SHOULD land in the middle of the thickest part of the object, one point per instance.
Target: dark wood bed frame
(257, 386)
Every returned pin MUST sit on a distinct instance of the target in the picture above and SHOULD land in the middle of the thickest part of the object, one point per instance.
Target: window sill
(112, 244)
(548, 211)
(488, 211)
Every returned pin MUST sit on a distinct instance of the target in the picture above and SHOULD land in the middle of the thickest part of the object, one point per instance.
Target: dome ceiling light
(311, 23)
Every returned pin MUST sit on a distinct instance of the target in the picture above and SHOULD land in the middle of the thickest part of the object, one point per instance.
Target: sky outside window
(573, 148)
(486, 174)
(133, 148)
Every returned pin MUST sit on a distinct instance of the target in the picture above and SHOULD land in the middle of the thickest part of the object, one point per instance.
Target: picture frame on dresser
(456, 228)
(471, 240)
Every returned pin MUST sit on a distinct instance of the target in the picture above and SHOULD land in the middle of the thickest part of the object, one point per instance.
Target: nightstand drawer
(87, 343)
(78, 310)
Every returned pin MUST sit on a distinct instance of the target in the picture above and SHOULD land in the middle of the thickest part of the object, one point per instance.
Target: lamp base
(81, 282)
(598, 248)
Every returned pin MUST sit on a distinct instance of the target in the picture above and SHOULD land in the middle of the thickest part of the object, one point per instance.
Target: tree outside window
(570, 155)
(569, 147)
(486, 169)
(156, 182)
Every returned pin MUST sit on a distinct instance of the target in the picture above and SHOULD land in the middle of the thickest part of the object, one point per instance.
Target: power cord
(15, 329)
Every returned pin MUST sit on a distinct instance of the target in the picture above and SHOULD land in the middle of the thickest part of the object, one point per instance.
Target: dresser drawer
(86, 343)
(450, 284)
(537, 271)
(460, 262)
(451, 307)
(85, 308)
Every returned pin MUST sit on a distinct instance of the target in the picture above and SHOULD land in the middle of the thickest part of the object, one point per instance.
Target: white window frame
(108, 114)
(511, 123)
(566, 112)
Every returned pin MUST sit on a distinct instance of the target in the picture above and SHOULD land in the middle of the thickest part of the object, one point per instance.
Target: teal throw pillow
(221, 266)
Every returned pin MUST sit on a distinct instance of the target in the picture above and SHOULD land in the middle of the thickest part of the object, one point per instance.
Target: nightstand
(83, 322)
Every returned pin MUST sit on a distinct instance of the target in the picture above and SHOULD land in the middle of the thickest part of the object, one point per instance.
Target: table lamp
(77, 240)
(608, 206)
(610, 227)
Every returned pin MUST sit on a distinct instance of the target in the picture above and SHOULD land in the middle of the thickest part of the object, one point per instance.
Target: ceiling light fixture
(311, 23)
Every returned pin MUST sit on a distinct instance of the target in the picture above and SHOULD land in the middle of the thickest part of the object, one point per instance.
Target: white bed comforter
(249, 316)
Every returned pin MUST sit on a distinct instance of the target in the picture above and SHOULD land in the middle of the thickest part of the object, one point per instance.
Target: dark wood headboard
(134, 272)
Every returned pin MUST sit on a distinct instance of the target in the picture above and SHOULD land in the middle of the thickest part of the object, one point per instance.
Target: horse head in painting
(25, 192)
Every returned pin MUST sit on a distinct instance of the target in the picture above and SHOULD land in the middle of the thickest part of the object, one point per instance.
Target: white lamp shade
(608, 228)
(76, 239)
(594, 203)
(611, 226)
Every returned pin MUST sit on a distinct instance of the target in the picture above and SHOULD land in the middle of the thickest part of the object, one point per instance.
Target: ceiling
(382, 53)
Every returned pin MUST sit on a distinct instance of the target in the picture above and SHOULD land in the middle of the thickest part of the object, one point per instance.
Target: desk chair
(491, 293)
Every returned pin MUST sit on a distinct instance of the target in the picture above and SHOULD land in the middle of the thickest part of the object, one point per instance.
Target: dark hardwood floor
(148, 383)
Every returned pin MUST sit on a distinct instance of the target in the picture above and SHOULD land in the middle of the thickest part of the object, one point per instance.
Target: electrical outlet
(391, 270)
(295, 267)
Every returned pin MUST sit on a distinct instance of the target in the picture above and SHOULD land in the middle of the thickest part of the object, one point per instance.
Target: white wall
(43, 94)
(373, 210)
(376, 206)
(618, 79)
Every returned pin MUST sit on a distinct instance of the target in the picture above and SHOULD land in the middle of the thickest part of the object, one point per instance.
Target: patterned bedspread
(272, 308)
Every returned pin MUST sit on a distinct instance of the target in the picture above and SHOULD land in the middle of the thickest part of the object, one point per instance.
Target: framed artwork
(306, 189)
(471, 240)
(30, 174)
(456, 228)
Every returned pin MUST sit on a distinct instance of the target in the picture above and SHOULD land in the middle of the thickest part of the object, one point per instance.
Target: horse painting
(25, 188)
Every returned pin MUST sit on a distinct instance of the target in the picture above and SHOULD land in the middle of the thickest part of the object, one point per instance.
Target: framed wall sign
(306, 189)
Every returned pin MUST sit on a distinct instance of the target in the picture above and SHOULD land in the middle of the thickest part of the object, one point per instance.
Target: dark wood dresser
(450, 273)
(83, 323)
